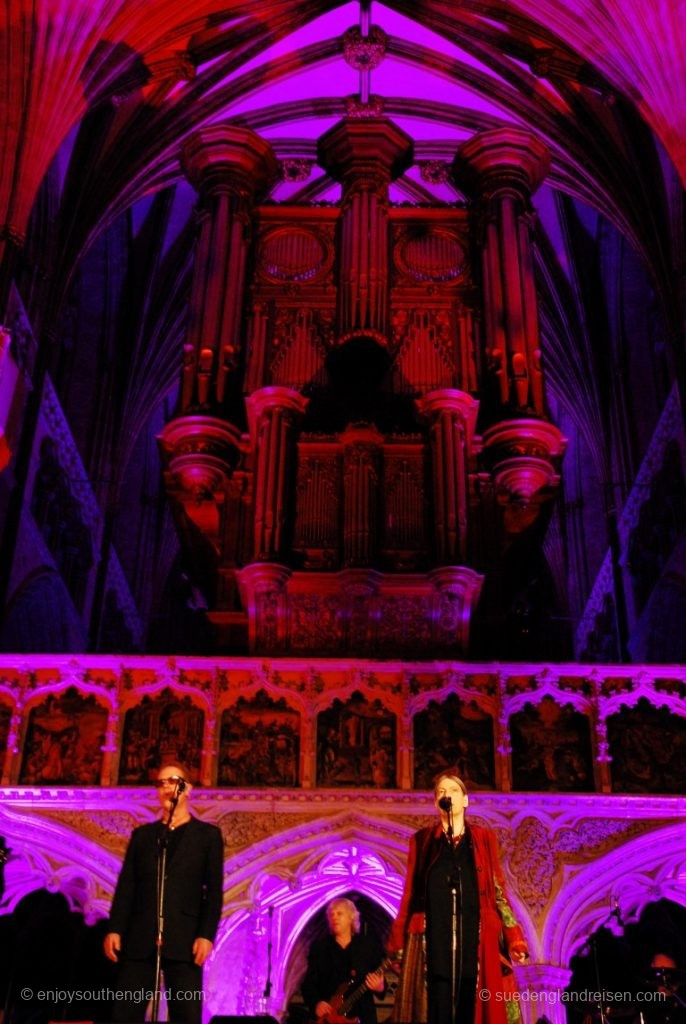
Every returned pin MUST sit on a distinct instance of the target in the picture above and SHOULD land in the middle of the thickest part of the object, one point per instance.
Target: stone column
(274, 413)
(365, 154)
(452, 419)
(541, 987)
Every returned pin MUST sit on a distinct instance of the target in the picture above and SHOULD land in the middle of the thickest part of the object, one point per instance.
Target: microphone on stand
(179, 787)
(446, 804)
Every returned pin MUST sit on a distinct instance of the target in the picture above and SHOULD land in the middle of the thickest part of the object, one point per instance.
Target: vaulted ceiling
(583, 76)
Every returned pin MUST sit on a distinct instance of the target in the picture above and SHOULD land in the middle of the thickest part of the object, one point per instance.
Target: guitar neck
(358, 992)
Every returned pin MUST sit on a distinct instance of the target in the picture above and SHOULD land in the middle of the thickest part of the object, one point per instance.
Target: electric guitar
(345, 997)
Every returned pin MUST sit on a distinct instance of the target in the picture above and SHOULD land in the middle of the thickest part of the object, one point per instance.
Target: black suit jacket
(193, 891)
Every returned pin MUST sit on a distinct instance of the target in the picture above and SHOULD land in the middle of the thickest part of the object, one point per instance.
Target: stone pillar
(540, 987)
(229, 166)
(452, 419)
(365, 154)
(501, 169)
(362, 447)
(274, 413)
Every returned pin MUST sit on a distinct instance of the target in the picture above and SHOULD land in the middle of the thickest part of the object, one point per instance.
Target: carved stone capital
(501, 159)
(226, 156)
(361, 147)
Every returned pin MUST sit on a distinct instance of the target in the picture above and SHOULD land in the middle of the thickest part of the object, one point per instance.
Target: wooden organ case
(362, 394)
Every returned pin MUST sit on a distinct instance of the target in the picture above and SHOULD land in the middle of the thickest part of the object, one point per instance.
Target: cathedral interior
(342, 438)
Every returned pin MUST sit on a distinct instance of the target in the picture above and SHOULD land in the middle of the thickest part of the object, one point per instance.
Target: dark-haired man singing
(191, 908)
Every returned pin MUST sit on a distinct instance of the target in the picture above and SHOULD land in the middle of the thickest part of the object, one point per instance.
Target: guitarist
(340, 963)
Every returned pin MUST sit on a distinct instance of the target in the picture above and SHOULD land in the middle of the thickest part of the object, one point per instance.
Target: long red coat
(499, 934)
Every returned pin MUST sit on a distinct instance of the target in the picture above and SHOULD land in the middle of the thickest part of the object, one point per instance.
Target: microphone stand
(456, 896)
(162, 843)
(593, 947)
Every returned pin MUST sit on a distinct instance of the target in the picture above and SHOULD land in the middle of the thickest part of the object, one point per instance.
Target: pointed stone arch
(280, 886)
(634, 874)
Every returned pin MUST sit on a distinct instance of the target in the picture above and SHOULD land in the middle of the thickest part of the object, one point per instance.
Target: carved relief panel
(454, 733)
(64, 740)
(158, 729)
(648, 750)
(334, 722)
(356, 744)
(259, 743)
(551, 748)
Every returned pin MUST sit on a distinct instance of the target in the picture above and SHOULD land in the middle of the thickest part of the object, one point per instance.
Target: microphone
(445, 803)
(181, 785)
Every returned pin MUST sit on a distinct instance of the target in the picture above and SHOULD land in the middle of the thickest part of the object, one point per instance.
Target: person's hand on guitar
(323, 1009)
(375, 981)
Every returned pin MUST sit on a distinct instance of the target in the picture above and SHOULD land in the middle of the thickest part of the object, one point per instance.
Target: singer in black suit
(192, 906)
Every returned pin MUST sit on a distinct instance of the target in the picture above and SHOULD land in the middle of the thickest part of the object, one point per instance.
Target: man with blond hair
(342, 964)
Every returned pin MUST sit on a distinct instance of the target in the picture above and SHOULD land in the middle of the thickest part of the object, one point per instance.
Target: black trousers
(440, 1003)
(183, 993)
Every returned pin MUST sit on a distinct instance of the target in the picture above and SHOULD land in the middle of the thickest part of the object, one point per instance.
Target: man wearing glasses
(192, 854)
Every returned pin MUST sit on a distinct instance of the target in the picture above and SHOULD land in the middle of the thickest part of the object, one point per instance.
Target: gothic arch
(48, 854)
(281, 885)
(634, 874)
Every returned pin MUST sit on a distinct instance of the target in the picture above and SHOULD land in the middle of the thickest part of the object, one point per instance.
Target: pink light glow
(307, 848)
